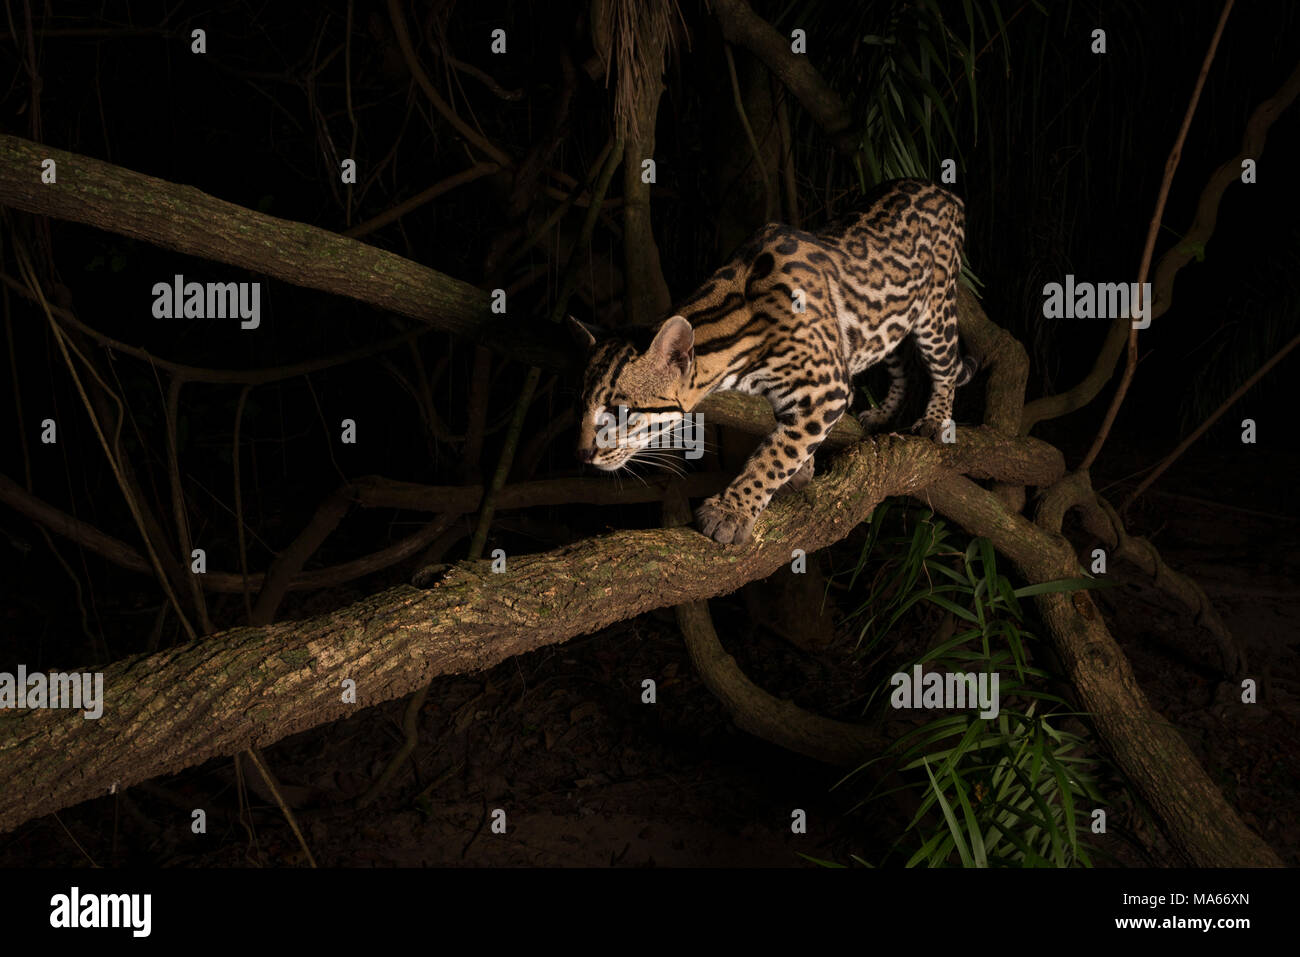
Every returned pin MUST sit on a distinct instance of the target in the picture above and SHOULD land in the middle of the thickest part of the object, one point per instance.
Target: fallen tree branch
(262, 684)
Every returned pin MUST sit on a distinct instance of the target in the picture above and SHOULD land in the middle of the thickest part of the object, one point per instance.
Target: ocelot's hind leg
(937, 343)
(873, 420)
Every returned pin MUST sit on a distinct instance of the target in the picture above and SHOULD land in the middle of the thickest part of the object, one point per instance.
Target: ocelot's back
(792, 316)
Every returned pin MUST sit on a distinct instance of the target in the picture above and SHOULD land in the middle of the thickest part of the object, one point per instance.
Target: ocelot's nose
(586, 455)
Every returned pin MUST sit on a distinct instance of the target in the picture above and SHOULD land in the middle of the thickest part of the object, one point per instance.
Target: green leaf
(1062, 584)
(956, 609)
(963, 850)
(822, 863)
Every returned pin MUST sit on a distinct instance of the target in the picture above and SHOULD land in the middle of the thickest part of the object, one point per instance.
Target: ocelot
(792, 317)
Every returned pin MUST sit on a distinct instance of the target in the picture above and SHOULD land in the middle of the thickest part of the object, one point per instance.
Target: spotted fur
(867, 282)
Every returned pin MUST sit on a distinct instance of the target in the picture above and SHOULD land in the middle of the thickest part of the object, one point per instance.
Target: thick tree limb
(979, 452)
(395, 642)
(190, 221)
(254, 686)
(1002, 355)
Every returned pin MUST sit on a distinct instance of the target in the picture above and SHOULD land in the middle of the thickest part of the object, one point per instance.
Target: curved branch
(742, 26)
(1162, 286)
(1148, 249)
(1002, 355)
(470, 134)
(777, 721)
(1104, 523)
(1204, 828)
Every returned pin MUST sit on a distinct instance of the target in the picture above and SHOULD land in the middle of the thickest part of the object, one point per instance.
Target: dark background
(1059, 166)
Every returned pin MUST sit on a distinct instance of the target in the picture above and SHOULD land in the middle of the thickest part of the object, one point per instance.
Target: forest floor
(588, 775)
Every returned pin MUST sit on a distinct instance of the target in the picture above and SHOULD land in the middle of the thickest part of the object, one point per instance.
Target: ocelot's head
(631, 392)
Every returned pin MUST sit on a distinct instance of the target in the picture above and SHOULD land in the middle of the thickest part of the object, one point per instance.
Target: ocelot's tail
(969, 366)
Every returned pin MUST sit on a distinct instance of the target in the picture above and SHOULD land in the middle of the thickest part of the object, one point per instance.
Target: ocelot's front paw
(722, 522)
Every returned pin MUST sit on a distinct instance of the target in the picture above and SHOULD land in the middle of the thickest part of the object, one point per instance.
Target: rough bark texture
(254, 686)
(646, 296)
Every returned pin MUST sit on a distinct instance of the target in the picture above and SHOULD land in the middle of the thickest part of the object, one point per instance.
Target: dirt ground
(588, 775)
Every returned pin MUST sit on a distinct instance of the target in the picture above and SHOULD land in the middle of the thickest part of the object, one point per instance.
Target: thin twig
(258, 763)
(749, 132)
(1200, 430)
(223, 376)
(567, 284)
(493, 86)
(417, 72)
(476, 171)
(179, 511)
(1171, 164)
(239, 502)
(28, 272)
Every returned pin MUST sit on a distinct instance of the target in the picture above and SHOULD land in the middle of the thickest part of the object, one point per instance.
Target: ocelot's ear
(674, 345)
(581, 334)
